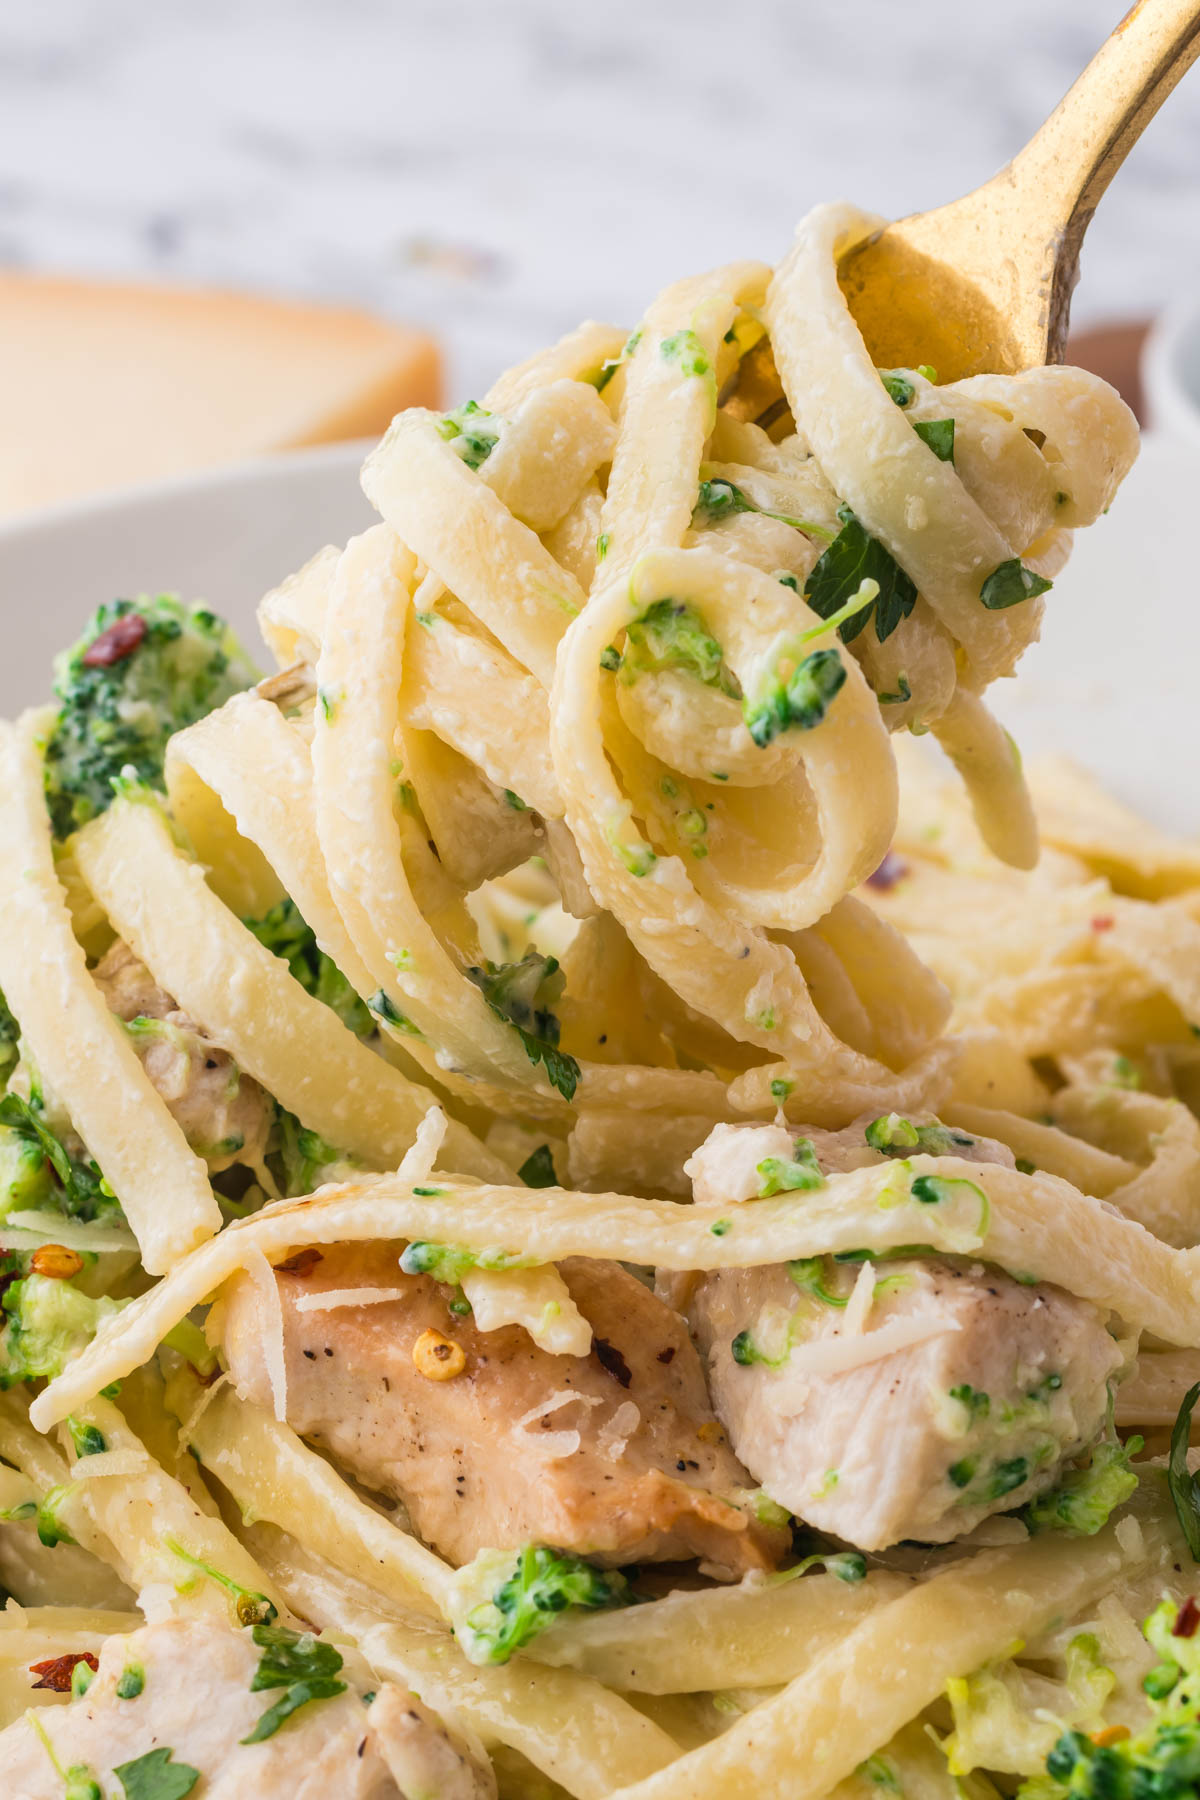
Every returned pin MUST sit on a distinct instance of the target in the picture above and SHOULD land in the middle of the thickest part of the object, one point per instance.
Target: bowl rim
(271, 465)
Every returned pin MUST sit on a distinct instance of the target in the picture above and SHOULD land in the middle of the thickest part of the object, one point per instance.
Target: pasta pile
(582, 771)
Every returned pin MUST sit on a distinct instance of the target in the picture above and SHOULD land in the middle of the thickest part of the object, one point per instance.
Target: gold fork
(985, 283)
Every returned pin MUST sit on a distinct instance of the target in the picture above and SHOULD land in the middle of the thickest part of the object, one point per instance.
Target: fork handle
(1063, 171)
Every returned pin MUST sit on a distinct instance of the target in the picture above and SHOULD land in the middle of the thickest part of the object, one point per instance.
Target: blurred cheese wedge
(102, 385)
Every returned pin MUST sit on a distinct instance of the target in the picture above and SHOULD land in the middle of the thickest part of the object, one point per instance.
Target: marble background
(497, 169)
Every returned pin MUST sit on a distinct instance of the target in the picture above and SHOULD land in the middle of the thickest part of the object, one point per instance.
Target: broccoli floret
(524, 994)
(800, 699)
(1084, 1499)
(540, 1585)
(68, 1185)
(285, 932)
(48, 1322)
(894, 1136)
(1160, 1763)
(672, 635)
(142, 670)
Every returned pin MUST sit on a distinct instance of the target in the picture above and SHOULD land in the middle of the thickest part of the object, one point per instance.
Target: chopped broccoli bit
(746, 1353)
(1010, 583)
(537, 1171)
(284, 932)
(142, 670)
(852, 558)
(607, 370)
(131, 1682)
(716, 500)
(780, 1090)
(685, 348)
(450, 1262)
(879, 1771)
(895, 1136)
(302, 1665)
(386, 1009)
(670, 634)
(977, 1403)
(251, 1608)
(543, 1584)
(800, 699)
(48, 1321)
(87, 1439)
(1084, 1499)
(523, 994)
(899, 387)
(74, 1188)
(465, 429)
(779, 1177)
(610, 659)
(50, 1528)
(844, 1565)
(808, 1273)
(306, 1158)
(1006, 1476)
(938, 434)
(935, 1190)
(720, 500)
(1161, 1762)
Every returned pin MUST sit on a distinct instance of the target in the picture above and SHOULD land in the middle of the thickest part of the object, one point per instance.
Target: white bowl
(224, 537)
(1171, 373)
(1113, 681)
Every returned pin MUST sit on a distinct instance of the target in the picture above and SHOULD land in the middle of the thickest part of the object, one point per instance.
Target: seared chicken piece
(997, 1385)
(195, 1703)
(224, 1115)
(615, 1455)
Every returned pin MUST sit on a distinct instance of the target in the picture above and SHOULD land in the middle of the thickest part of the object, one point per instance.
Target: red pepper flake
(1105, 922)
(1186, 1619)
(113, 645)
(56, 1672)
(892, 869)
(302, 1263)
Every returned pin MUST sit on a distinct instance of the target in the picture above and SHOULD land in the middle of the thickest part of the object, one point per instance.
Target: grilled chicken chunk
(196, 1703)
(224, 1115)
(616, 1455)
(998, 1384)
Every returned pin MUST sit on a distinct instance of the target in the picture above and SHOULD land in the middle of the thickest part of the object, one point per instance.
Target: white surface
(1113, 681)
(498, 169)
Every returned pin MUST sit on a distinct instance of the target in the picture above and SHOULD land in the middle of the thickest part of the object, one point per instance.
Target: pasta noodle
(555, 1084)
